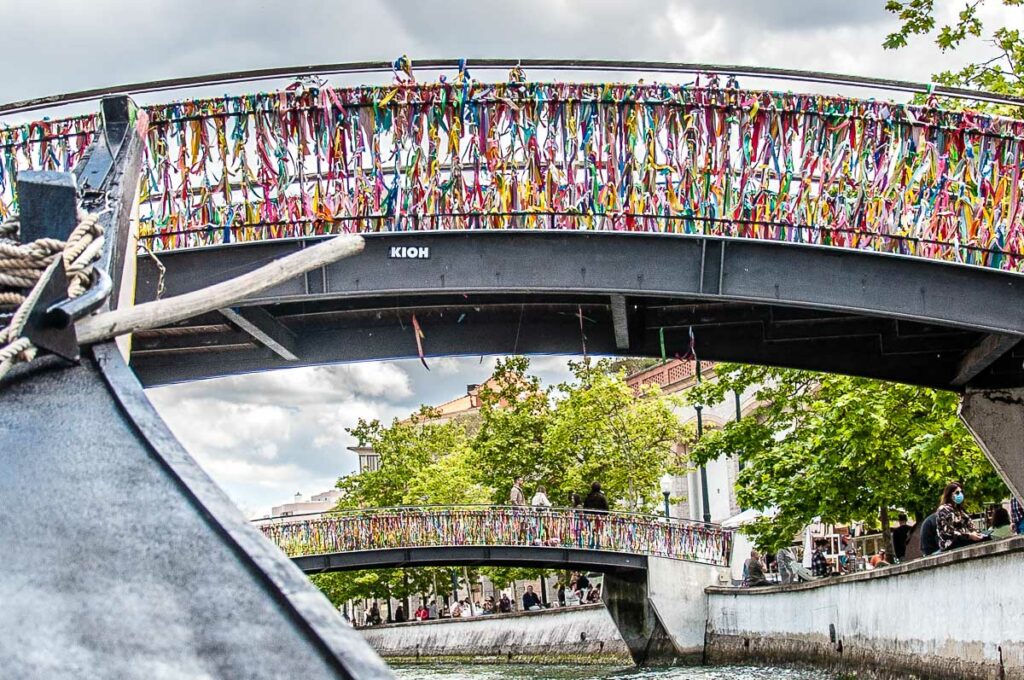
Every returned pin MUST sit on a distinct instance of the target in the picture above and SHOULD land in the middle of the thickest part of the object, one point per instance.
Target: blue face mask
(958, 497)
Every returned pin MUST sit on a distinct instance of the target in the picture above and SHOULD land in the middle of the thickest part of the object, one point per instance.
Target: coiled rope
(21, 272)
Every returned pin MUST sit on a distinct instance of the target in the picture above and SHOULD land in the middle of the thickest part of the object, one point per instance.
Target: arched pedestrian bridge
(658, 219)
(493, 536)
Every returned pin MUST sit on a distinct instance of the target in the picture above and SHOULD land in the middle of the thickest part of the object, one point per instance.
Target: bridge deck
(854, 312)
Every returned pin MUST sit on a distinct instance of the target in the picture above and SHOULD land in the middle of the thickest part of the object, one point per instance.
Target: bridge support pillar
(630, 608)
(662, 617)
(996, 419)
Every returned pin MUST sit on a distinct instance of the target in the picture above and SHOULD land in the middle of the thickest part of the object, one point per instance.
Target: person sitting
(901, 536)
(504, 604)
(879, 559)
(530, 600)
(1001, 527)
(954, 526)
(595, 594)
(400, 614)
(456, 610)
(930, 535)
(422, 614)
(754, 570)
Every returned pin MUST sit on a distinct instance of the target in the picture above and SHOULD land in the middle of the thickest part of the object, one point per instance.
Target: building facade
(719, 477)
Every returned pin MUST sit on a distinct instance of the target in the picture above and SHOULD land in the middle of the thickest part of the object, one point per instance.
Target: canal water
(524, 672)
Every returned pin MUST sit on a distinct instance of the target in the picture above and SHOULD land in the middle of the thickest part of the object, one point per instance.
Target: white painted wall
(676, 589)
(965, 608)
(570, 631)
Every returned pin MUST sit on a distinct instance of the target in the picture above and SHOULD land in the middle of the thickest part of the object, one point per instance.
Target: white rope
(21, 278)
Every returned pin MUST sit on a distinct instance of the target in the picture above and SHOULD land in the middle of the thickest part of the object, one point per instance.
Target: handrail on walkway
(473, 525)
(611, 66)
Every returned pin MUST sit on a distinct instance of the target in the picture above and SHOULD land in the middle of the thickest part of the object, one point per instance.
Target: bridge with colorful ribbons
(680, 218)
(493, 535)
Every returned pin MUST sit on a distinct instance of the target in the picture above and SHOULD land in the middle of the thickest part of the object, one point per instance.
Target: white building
(686, 491)
(317, 505)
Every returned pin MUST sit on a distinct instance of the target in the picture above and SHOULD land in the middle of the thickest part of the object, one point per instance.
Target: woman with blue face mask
(953, 524)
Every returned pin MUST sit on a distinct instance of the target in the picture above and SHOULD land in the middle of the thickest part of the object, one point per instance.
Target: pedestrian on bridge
(540, 499)
(596, 499)
(596, 502)
(516, 496)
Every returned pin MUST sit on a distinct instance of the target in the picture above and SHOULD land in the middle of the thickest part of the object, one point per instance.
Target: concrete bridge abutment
(662, 613)
(996, 419)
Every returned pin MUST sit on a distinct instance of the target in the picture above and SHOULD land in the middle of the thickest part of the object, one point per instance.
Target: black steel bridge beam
(495, 292)
(541, 557)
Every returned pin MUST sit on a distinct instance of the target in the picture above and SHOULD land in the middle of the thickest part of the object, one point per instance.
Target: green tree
(1001, 73)
(422, 461)
(602, 431)
(841, 448)
(514, 414)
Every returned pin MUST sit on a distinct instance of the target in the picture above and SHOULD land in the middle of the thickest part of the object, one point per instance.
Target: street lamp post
(666, 491)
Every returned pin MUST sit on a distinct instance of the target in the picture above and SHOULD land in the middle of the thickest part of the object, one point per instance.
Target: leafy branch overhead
(1002, 72)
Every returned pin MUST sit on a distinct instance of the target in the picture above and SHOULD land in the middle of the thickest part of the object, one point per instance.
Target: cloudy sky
(265, 437)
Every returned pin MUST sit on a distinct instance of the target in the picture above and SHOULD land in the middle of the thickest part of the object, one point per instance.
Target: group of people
(595, 501)
(578, 591)
(948, 528)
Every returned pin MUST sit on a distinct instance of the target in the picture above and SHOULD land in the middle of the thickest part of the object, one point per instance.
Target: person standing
(582, 588)
(953, 524)
(516, 496)
(400, 614)
(596, 500)
(901, 537)
(1016, 515)
(819, 563)
(540, 499)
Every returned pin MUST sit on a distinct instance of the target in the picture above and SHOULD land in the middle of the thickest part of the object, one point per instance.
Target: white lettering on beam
(409, 252)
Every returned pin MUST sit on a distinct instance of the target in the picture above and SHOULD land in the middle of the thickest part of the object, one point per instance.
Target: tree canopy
(840, 448)
(591, 428)
(1001, 73)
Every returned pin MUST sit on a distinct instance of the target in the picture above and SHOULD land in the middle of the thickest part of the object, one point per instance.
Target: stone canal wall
(584, 634)
(959, 615)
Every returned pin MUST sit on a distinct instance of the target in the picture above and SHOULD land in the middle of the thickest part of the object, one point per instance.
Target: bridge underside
(632, 567)
(851, 312)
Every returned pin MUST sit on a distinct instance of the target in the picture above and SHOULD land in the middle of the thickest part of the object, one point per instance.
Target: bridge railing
(434, 526)
(661, 158)
(56, 145)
